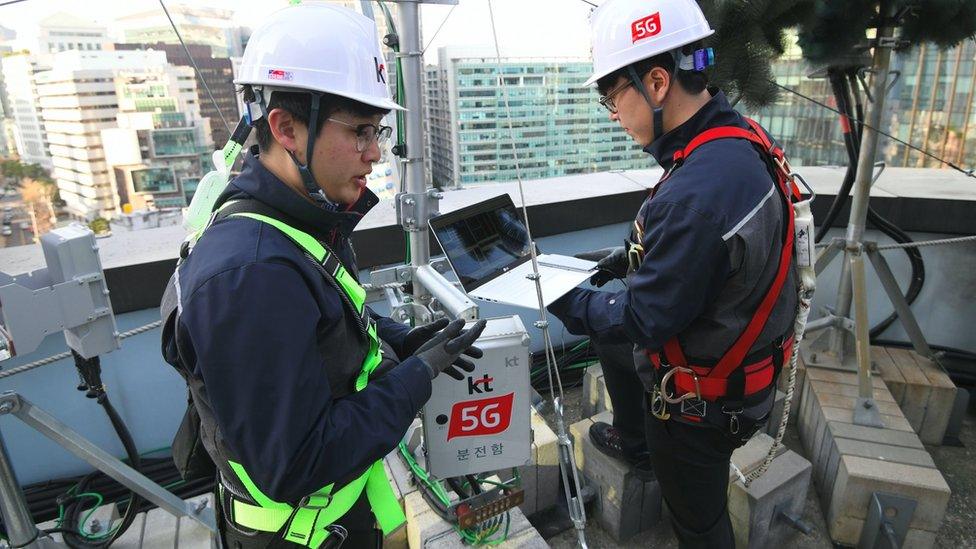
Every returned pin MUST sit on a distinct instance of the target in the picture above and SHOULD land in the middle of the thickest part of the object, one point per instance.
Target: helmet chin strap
(305, 171)
(656, 112)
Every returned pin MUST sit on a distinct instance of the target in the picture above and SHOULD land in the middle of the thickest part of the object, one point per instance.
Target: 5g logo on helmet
(645, 27)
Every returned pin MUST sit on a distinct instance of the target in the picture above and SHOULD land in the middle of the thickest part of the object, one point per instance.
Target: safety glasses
(607, 100)
(366, 134)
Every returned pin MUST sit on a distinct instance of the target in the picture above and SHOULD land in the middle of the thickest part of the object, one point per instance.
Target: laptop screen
(483, 240)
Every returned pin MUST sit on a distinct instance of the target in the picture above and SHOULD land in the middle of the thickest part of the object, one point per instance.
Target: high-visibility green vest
(307, 524)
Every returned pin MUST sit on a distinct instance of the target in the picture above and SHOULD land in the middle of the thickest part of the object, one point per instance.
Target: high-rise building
(197, 25)
(930, 105)
(559, 126)
(157, 153)
(65, 32)
(218, 73)
(20, 70)
(81, 96)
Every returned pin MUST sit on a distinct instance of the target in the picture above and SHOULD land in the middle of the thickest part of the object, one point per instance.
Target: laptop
(487, 246)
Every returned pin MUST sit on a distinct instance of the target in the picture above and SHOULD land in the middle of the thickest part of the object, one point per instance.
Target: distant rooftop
(917, 199)
(68, 20)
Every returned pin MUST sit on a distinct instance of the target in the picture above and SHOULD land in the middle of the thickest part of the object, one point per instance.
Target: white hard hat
(318, 47)
(627, 31)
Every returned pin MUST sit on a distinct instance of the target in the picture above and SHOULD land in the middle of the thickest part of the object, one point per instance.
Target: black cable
(838, 86)
(90, 372)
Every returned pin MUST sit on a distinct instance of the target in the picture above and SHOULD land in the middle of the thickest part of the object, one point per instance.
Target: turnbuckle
(671, 399)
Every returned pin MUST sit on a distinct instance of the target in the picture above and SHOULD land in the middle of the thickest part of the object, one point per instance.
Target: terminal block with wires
(478, 506)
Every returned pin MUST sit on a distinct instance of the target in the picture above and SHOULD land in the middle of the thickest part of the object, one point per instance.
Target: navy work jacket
(712, 234)
(253, 313)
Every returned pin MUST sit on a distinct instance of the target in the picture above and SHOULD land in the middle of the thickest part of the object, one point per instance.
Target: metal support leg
(17, 519)
(865, 409)
(828, 254)
(49, 426)
(897, 299)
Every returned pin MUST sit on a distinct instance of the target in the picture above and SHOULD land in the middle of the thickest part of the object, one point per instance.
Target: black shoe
(608, 441)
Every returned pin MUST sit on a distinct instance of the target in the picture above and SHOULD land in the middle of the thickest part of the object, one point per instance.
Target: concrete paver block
(596, 398)
(858, 478)
(921, 387)
(750, 455)
(837, 376)
(540, 477)
(132, 538)
(159, 531)
(850, 462)
(625, 505)
(755, 511)
(884, 452)
(870, 434)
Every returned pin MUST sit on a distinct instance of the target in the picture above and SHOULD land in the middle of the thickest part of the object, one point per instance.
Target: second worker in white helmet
(705, 250)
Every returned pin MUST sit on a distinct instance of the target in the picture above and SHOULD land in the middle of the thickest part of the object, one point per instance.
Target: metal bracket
(782, 511)
(887, 523)
(866, 413)
(12, 504)
(400, 274)
(414, 209)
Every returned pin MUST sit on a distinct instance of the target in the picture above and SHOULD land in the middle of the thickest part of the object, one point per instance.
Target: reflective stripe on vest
(308, 522)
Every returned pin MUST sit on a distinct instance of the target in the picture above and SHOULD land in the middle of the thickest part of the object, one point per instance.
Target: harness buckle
(671, 399)
(306, 502)
(694, 407)
(337, 536)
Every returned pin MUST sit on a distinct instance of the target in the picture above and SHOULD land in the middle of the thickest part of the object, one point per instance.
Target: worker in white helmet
(710, 297)
(300, 389)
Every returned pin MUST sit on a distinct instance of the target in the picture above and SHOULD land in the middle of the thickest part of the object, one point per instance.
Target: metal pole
(411, 60)
(865, 168)
(18, 521)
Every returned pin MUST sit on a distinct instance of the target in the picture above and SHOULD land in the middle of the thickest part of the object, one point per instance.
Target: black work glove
(442, 353)
(611, 264)
(416, 337)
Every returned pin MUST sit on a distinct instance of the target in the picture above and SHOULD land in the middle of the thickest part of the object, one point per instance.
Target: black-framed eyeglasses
(366, 134)
(607, 100)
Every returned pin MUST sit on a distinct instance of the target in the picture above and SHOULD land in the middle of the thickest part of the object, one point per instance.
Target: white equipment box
(481, 423)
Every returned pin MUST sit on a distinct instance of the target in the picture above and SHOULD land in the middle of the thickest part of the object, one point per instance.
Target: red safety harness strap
(713, 382)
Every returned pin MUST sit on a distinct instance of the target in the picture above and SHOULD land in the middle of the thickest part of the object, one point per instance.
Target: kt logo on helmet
(486, 416)
(278, 74)
(645, 27)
